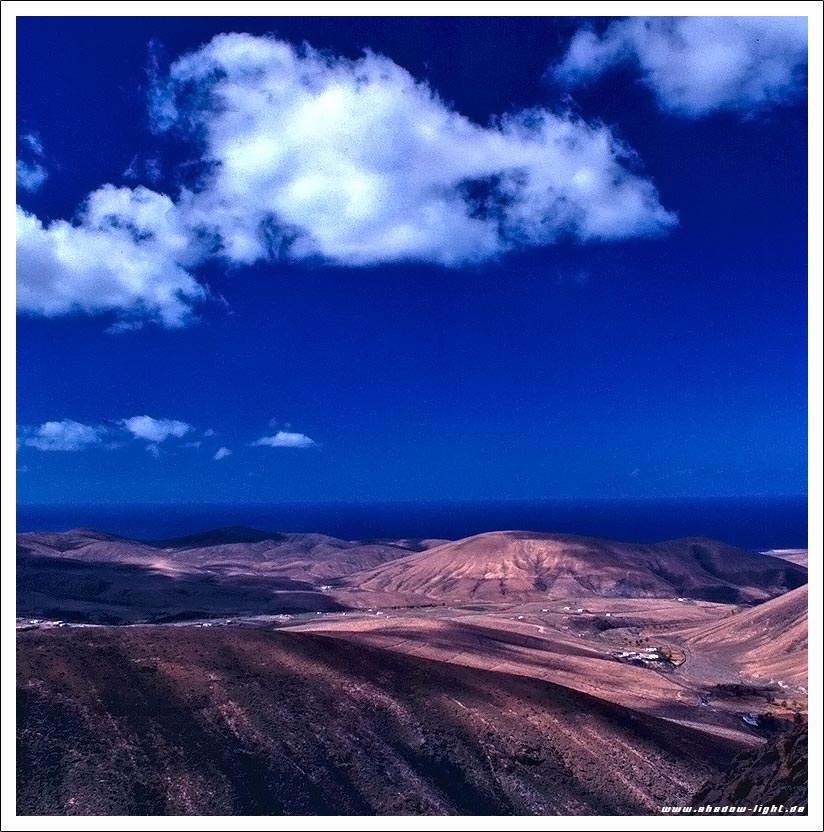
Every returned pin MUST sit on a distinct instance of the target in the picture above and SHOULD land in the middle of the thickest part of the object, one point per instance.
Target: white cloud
(209, 432)
(313, 157)
(155, 430)
(30, 175)
(698, 65)
(66, 435)
(149, 169)
(152, 450)
(195, 444)
(286, 439)
(34, 143)
(128, 252)
(357, 163)
(123, 326)
(222, 453)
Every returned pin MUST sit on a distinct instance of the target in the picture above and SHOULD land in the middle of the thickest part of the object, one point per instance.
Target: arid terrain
(242, 672)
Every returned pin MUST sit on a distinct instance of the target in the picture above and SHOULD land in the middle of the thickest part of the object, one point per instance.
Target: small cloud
(698, 65)
(148, 169)
(208, 433)
(119, 327)
(23, 469)
(222, 453)
(155, 430)
(132, 170)
(286, 439)
(635, 472)
(66, 435)
(153, 450)
(162, 109)
(31, 175)
(34, 143)
(196, 444)
(153, 170)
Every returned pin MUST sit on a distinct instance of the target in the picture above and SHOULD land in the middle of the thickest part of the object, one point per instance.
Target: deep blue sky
(645, 367)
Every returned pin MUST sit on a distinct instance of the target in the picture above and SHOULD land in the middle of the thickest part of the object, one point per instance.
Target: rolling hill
(163, 720)
(242, 571)
(517, 565)
(231, 551)
(767, 642)
(85, 575)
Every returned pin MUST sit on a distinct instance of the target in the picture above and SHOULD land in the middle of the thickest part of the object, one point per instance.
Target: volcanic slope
(775, 774)
(526, 566)
(162, 720)
(765, 643)
(235, 550)
(90, 576)
(800, 557)
(92, 545)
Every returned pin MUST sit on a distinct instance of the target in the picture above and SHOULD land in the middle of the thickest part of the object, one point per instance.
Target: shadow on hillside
(106, 593)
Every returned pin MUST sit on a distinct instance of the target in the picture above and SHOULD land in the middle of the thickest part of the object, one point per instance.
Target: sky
(376, 259)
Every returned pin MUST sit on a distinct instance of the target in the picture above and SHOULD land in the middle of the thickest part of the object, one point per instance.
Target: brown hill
(89, 576)
(768, 642)
(161, 720)
(232, 551)
(91, 545)
(800, 557)
(124, 593)
(517, 565)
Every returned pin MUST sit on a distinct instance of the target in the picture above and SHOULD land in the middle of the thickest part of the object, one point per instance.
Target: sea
(756, 523)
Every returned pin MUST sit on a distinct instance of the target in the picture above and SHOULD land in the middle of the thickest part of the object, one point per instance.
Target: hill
(775, 774)
(767, 642)
(85, 575)
(232, 551)
(800, 557)
(517, 565)
(159, 720)
(243, 571)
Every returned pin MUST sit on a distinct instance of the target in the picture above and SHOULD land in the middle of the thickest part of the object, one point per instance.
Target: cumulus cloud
(221, 453)
(357, 163)
(286, 439)
(128, 252)
(308, 156)
(698, 65)
(66, 435)
(155, 430)
(30, 175)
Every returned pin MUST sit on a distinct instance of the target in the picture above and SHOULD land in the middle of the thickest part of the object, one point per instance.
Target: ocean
(752, 523)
